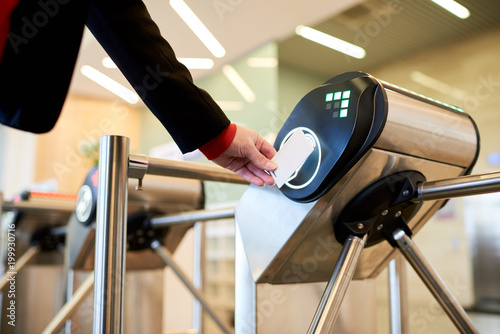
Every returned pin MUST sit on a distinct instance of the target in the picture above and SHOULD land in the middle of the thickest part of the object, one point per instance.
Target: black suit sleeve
(38, 62)
(126, 31)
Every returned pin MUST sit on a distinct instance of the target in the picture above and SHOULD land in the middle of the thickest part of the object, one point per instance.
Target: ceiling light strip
(231, 105)
(109, 84)
(200, 30)
(264, 62)
(108, 63)
(453, 7)
(197, 63)
(238, 83)
(331, 42)
(191, 63)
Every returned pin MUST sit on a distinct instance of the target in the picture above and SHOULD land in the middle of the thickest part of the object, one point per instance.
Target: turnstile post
(111, 232)
(398, 296)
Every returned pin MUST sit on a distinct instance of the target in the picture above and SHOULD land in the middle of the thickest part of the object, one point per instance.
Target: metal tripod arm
(71, 306)
(140, 165)
(329, 306)
(192, 217)
(167, 257)
(20, 263)
(458, 187)
(434, 283)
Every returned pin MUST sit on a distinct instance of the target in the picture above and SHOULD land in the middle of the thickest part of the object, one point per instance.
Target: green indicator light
(343, 113)
(345, 104)
(346, 94)
(429, 98)
(337, 96)
(329, 97)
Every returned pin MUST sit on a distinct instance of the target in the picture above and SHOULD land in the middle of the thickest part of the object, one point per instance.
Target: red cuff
(219, 144)
(6, 8)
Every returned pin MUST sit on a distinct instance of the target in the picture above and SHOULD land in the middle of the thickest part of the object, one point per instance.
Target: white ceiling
(240, 26)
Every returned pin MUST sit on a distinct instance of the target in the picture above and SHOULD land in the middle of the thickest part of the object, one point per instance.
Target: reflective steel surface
(111, 233)
(424, 130)
(281, 242)
(289, 242)
(435, 284)
(330, 303)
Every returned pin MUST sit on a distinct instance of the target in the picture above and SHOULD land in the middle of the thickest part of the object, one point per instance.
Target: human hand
(249, 156)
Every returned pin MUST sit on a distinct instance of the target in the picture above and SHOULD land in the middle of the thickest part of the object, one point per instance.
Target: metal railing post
(111, 231)
(398, 296)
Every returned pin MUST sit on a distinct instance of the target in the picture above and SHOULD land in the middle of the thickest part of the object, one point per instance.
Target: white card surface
(291, 156)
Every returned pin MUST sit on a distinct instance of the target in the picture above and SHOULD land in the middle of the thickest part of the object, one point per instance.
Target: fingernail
(271, 165)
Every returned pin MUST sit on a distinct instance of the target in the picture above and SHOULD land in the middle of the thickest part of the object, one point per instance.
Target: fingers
(261, 174)
(250, 177)
(249, 156)
(267, 149)
(251, 145)
(259, 160)
(255, 175)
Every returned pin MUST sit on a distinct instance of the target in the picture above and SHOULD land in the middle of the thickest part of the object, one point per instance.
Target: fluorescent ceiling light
(193, 22)
(109, 84)
(197, 63)
(262, 62)
(331, 42)
(108, 63)
(238, 83)
(191, 63)
(230, 105)
(453, 7)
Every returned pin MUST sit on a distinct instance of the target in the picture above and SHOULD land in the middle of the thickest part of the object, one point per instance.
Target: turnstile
(384, 160)
(145, 279)
(59, 230)
(32, 240)
(377, 146)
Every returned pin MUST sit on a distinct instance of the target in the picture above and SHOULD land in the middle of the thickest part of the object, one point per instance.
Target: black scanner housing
(339, 142)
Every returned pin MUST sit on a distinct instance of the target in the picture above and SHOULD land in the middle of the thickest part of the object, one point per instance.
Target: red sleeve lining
(6, 8)
(219, 144)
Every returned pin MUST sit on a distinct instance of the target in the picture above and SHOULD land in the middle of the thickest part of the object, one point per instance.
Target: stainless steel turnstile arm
(458, 187)
(71, 306)
(192, 217)
(334, 293)
(20, 263)
(167, 257)
(434, 283)
(140, 165)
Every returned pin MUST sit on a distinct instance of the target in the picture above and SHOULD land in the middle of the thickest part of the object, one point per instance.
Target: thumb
(259, 160)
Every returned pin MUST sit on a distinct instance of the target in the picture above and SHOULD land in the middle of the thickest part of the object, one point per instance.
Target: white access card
(291, 156)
